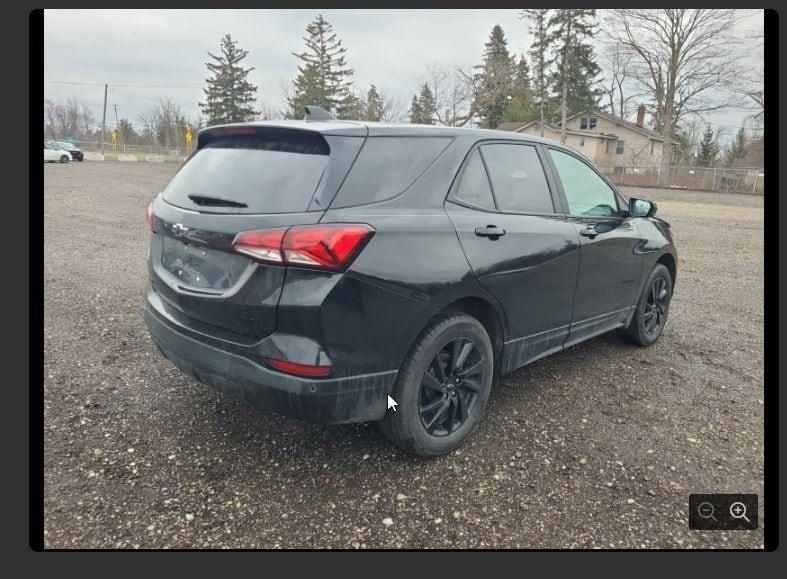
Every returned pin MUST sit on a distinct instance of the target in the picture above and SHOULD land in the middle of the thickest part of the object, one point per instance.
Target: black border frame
(33, 205)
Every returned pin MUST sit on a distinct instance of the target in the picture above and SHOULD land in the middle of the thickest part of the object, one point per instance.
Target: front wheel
(652, 309)
(64, 158)
(442, 387)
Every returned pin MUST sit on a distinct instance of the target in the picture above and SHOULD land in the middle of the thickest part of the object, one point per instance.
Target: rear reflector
(330, 246)
(299, 369)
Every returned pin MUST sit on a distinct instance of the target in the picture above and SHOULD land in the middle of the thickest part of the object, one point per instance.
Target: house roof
(510, 126)
(624, 123)
(556, 128)
(520, 126)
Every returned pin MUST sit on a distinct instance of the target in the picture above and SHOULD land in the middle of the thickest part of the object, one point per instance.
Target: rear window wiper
(210, 201)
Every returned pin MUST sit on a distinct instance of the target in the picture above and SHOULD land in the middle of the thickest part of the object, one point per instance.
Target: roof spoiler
(317, 114)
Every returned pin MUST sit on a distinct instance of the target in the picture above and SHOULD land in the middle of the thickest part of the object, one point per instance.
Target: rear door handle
(588, 232)
(490, 231)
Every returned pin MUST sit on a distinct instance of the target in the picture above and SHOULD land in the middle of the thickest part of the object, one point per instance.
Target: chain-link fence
(120, 148)
(730, 180)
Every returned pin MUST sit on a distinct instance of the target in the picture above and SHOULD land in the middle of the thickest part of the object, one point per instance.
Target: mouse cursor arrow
(392, 403)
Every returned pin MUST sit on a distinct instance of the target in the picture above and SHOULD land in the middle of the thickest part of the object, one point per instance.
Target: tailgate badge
(179, 229)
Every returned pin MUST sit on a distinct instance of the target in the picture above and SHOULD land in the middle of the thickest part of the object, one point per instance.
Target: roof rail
(317, 114)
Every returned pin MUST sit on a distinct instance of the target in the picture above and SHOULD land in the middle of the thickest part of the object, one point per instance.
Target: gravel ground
(598, 446)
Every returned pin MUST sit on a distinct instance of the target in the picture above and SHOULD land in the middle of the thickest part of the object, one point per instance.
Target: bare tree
(150, 123)
(682, 55)
(50, 119)
(757, 97)
(392, 110)
(455, 94)
(617, 61)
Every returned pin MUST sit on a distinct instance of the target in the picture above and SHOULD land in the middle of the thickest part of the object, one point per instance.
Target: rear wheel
(64, 158)
(442, 387)
(652, 309)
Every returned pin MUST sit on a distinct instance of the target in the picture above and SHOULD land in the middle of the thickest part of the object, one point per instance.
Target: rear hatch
(241, 178)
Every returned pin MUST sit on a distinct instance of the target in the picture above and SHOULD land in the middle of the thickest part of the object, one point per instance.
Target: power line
(122, 85)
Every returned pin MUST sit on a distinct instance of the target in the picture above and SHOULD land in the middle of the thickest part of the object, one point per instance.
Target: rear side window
(388, 166)
(518, 178)
(474, 187)
(259, 172)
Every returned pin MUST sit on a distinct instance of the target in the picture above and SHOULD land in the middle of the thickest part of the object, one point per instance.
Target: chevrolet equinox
(313, 268)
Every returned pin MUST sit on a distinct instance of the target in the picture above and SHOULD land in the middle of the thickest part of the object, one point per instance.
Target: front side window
(518, 180)
(474, 188)
(586, 192)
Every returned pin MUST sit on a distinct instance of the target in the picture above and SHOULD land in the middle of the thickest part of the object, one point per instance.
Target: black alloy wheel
(656, 306)
(450, 387)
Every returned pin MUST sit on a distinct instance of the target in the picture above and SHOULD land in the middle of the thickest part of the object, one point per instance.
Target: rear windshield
(260, 172)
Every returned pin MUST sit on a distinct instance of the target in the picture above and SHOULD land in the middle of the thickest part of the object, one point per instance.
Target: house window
(583, 123)
(652, 143)
(606, 146)
(592, 123)
(582, 142)
(619, 148)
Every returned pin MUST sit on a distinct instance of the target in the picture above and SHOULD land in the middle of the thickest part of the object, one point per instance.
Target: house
(607, 140)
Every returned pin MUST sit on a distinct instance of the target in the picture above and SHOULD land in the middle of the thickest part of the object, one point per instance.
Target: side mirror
(641, 208)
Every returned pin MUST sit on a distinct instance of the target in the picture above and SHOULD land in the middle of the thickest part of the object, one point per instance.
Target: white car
(53, 152)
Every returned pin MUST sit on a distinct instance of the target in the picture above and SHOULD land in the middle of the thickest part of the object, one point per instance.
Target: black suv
(321, 268)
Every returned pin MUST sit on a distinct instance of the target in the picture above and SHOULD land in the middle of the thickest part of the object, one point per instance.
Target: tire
(643, 330)
(453, 411)
(64, 158)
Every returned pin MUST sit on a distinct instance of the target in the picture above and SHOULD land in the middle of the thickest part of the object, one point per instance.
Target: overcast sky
(389, 48)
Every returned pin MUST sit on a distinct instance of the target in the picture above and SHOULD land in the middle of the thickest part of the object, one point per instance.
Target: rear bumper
(330, 401)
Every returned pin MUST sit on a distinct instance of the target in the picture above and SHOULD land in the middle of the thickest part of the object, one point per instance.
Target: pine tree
(495, 79)
(229, 96)
(374, 105)
(708, 149)
(323, 77)
(539, 50)
(573, 80)
(738, 147)
(427, 105)
(521, 107)
(352, 107)
(416, 114)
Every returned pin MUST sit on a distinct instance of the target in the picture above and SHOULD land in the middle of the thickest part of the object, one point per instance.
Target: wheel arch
(486, 313)
(668, 261)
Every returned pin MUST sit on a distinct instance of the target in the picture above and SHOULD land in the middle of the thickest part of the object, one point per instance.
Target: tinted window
(518, 179)
(269, 175)
(474, 188)
(586, 192)
(387, 166)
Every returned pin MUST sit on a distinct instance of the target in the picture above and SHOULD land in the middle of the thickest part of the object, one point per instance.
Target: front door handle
(491, 231)
(588, 232)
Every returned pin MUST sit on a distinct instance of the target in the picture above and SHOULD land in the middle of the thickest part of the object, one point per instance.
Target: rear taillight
(330, 246)
(299, 369)
(149, 216)
(263, 245)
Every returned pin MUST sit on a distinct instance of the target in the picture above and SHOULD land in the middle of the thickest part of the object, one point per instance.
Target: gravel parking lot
(598, 446)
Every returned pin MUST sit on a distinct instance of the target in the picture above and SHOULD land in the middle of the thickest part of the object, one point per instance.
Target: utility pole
(117, 128)
(104, 120)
